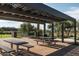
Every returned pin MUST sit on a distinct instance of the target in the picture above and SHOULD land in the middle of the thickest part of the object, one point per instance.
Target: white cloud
(73, 8)
(6, 23)
(73, 12)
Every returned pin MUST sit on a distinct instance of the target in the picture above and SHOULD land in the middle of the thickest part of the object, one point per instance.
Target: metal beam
(23, 19)
(9, 10)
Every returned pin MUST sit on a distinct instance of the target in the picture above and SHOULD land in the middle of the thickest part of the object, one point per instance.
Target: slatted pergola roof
(31, 12)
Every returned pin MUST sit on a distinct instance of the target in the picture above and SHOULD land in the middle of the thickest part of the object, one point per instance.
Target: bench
(4, 49)
(28, 46)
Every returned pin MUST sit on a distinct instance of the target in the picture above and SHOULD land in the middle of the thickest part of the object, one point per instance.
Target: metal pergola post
(44, 29)
(62, 32)
(37, 30)
(75, 41)
(28, 29)
(53, 31)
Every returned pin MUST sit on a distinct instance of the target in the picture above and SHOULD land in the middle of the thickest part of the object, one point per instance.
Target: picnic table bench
(28, 46)
(5, 49)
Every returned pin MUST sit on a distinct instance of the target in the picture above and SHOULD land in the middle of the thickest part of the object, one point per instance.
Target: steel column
(53, 31)
(37, 30)
(62, 32)
(75, 41)
(44, 29)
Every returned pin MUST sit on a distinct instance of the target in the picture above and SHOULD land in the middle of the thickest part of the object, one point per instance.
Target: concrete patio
(43, 49)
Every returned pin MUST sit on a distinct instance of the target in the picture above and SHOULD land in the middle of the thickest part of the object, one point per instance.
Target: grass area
(5, 35)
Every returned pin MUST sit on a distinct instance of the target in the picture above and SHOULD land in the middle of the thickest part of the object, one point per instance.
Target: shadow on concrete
(63, 51)
(56, 46)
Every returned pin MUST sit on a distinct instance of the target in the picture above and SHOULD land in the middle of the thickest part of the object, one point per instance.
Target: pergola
(36, 13)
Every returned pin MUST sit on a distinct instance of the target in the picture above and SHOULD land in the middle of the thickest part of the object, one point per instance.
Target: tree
(26, 28)
(68, 25)
(57, 28)
(23, 28)
(1, 30)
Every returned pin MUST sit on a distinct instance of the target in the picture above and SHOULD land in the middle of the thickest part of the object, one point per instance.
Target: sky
(71, 9)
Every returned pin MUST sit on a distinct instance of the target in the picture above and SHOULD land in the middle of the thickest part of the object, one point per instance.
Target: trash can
(15, 34)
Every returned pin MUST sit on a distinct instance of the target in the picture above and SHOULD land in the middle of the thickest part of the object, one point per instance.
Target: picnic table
(16, 42)
(46, 40)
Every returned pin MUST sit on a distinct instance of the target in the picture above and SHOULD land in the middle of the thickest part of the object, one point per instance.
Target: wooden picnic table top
(17, 42)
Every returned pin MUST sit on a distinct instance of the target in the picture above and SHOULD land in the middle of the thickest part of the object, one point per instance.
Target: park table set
(16, 42)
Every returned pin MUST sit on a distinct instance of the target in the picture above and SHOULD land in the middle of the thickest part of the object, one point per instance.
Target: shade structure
(34, 12)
